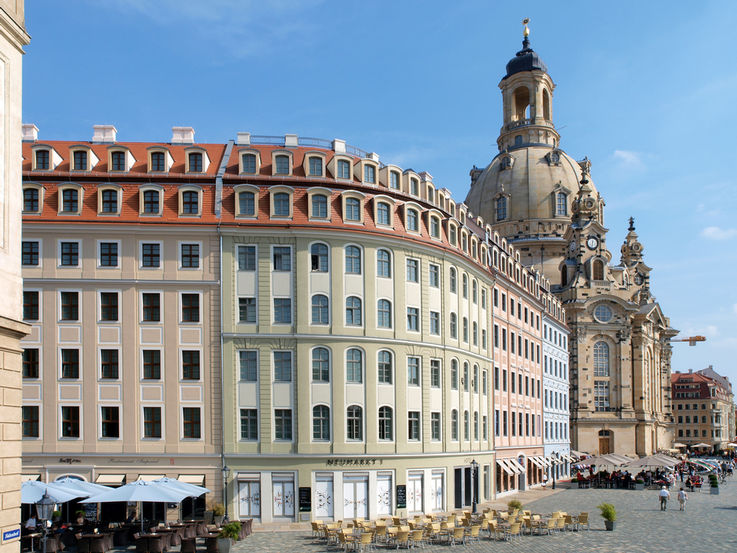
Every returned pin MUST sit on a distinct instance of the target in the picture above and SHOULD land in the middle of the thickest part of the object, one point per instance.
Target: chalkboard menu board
(401, 496)
(305, 499)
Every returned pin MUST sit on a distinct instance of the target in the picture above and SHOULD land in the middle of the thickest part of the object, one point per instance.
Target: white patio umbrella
(82, 487)
(141, 490)
(32, 491)
(653, 461)
(191, 489)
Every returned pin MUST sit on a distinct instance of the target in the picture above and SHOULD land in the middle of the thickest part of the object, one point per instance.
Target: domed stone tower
(527, 191)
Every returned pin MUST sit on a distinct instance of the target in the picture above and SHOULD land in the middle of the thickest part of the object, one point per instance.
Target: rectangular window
(504, 380)
(283, 424)
(393, 179)
(108, 306)
(246, 258)
(151, 364)
(496, 378)
(191, 422)
(30, 421)
(385, 367)
(108, 254)
(435, 323)
(504, 422)
(151, 306)
(30, 200)
(69, 201)
(110, 418)
(190, 254)
(369, 174)
(282, 259)
(249, 424)
(484, 382)
(413, 371)
(435, 426)
(30, 363)
(152, 422)
(247, 310)
(513, 381)
(30, 254)
(413, 270)
(282, 311)
(248, 360)
(435, 373)
(80, 160)
(496, 422)
(413, 426)
(283, 366)
(30, 306)
(109, 363)
(190, 365)
(190, 308)
(42, 160)
(150, 255)
(514, 423)
(70, 254)
(70, 363)
(601, 395)
(151, 202)
(157, 161)
(70, 422)
(344, 169)
(413, 319)
(434, 271)
(118, 161)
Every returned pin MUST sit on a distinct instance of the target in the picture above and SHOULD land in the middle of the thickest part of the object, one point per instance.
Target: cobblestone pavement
(707, 525)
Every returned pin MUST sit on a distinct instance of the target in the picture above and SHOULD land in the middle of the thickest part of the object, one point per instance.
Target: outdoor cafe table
(31, 537)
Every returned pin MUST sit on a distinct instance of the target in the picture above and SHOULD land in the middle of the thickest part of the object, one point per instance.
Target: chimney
(339, 146)
(244, 138)
(30, 132)
(104, 134)
(182, 135)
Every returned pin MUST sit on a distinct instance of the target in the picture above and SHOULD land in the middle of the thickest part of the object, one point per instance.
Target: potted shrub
(228, 534)
(639, 484)
(514, 504)
(609, 514)
(713, 484)
(218, 511)
(56, 515)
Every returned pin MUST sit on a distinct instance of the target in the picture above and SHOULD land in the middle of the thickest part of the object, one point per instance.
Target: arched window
(454, 425)
(354, 422)
(413, 224)
(385, 367)
(454, 374)
(151, 202)
(282, 165)
(320, 365)
(315, 166)
(384, 314)
(465, 329)
(601, 359)
(190, 202)
(344, 169)
(353, 260)
(474, 291)
(501, 209)
(546, 105)
(561, 203)
(281, 204)
(465, 376)
(434, 227)
(386, 423)
(321, 422)
(353, 315)
(249, 163)
(466, 427)
(475, 425)
(598, 269)
(453, 325)
(320, 311)
(521, 97)
(247, 204)
(352, 209)
(453, 280)
(465, 285)
(319, 206)
(319, 258)
(383, 212)
(354, 365)
(109, 202)
(383, 264)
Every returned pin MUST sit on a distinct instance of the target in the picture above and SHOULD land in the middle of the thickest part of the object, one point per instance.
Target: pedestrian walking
(682, 498)
(664, 496)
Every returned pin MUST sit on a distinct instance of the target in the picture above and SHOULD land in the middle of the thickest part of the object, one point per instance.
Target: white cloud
(718, 233)
(628, 159)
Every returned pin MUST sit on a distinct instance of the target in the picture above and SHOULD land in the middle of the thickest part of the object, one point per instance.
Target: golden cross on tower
(525, 21)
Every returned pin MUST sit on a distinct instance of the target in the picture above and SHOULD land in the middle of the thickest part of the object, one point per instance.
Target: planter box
(609, 525)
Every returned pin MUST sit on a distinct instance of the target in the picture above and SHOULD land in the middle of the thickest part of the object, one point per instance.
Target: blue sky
(646, 90)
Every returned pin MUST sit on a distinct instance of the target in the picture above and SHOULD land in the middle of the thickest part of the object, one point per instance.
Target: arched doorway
(605, 442)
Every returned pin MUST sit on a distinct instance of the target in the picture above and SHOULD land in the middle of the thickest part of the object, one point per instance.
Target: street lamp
(474, 476)
(45, 510)
(226, 474)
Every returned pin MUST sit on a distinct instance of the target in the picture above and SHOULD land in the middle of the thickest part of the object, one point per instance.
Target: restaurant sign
(359, 462)
(10, 535)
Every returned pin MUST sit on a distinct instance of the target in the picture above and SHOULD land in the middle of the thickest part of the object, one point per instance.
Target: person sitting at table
(31, 523)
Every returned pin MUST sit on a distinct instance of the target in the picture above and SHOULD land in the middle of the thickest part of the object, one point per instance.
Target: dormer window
(319, 203)
(247, 203)
(195, 162)
(383, 214)
(248, 164)
(281, 201)
(69, 200)
(117, 161)
(282, 164)
(158, 162)
(352, 209)
(344, 169)
(190, 202)
(42, 160)
(80, 160)
(109, 201)
(369, 174)
(394, 180)
(31, 200)
(315, 166)
(434, 226)
(452, 235)
(150, 202)
(414, 187)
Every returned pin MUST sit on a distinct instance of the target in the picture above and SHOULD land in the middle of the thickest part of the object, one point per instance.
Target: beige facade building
(12, 39)
(544, 203)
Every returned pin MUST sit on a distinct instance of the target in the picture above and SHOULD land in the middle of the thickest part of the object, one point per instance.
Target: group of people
(664, 496)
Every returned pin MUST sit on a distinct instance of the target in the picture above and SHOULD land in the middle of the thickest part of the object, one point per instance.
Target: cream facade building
(543, 201)
(13, 38)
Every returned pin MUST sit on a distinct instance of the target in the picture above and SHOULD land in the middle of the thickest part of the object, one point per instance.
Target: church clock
(592, 242)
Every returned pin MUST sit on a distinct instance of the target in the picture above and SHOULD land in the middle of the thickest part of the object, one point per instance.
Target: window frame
(353, 196)
(246, 189)
(319, 191)
(100, 254)
(242, 167)
(39, 198)
(168, 161)
(142, 200)
(180, 255)
(61, 202)
(278, 190)
(189, 188)
(60, 253)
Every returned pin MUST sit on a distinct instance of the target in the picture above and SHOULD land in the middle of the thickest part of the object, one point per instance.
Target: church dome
(525, 60)
(529, 180)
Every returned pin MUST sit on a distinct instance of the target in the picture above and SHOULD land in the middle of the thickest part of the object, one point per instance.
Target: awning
(515, 466)
(27, 477)
(538, 461)
(110, 479)
(567, 458)
(149, 477)
(504, 466)
(196, 479)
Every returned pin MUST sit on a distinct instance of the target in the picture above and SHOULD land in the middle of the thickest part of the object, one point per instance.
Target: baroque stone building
(543, 201)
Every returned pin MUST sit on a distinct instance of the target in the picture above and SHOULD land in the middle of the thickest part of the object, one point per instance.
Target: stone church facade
(543, 202)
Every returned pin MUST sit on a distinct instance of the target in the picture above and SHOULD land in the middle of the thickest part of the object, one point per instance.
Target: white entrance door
(324, 496)
(355, 497)
(414, 493)
(384, 494)
(249, 499)
(436, 492)
(283, 498)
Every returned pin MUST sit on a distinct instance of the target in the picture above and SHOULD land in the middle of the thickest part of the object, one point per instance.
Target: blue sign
(11, 535)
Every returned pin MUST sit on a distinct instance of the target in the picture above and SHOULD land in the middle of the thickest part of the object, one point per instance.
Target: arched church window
(598, 269)
(522, 103)
(546, 105)
(601, 359)
(501, 209)
(561, 203)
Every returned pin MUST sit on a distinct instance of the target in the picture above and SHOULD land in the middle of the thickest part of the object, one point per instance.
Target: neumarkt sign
(11, 535)
(357, 462)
